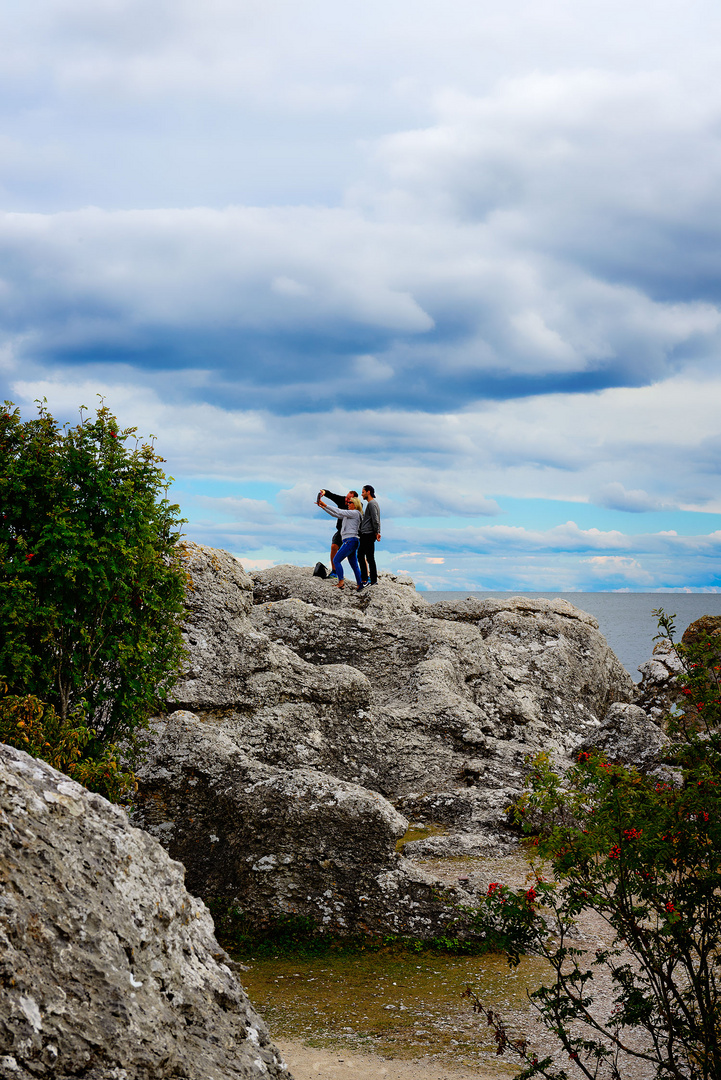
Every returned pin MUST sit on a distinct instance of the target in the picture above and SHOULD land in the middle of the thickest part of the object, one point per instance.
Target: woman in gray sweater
(350, 520)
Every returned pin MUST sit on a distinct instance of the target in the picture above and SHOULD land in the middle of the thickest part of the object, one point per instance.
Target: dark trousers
(367, 554)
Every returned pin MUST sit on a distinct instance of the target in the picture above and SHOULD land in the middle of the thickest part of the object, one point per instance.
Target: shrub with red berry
(643, 851)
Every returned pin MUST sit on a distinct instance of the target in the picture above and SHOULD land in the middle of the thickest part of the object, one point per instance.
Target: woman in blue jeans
(350, 519)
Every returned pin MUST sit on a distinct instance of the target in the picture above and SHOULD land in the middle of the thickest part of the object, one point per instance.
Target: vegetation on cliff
(91, 588)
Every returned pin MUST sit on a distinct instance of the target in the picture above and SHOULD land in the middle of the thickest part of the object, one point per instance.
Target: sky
(466, 252)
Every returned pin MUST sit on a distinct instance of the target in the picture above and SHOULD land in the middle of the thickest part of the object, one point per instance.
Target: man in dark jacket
(370, 531)
(335, 543)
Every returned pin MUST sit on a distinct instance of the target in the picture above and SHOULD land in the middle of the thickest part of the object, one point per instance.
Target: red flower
(531, 895)
(29, 556)
(615, 852)
(583, 756)
(670, 907)
(494, 887)
(113, 435)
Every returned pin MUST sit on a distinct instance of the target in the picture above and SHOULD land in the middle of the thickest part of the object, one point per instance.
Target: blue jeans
(348, 550)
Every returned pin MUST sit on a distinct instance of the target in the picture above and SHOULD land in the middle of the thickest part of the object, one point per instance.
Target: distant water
(624, 619)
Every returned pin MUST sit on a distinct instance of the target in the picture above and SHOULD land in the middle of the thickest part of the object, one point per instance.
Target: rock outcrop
(658, 689)
(109, 969)
(282, 841)
(630, 737)
(434, 707)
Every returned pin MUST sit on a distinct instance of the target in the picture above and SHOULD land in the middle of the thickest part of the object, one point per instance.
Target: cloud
(615, 497)
(625, 568)
(277, 302)
(240, 509)
(558, 447)
(469, 256)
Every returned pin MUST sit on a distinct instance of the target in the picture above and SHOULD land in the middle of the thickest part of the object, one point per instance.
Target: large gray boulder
(434, 707)
(109, 969)
(458, 694)
(281, 842)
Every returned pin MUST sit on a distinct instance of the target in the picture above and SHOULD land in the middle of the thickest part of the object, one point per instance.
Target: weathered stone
(109, 969)
(394, 593)
(708, 626)
(658, 690)
(434, 706)
(277, 841)
(628, 736)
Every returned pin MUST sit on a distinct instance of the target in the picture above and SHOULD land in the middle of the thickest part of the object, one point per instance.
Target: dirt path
(308, 1063)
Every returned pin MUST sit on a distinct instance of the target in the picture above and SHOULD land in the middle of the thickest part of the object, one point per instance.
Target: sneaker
(333, 575)
(364, 584)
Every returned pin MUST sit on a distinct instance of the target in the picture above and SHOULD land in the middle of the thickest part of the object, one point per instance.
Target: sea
(625, 619)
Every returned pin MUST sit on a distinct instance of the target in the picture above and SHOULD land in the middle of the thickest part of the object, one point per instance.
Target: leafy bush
(28, 724)
(91, 581)
(644, 852)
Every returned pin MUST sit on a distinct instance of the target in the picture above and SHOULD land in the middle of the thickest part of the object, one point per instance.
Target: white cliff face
(109, 968)
(433, 707)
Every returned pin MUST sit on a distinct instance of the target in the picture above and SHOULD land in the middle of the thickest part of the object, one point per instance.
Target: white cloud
(619, 566)
(615, 497)
(138, 279)
(561, 446)
(460, 253)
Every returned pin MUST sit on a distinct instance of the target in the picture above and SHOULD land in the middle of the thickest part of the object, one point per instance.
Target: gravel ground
(307, 1063)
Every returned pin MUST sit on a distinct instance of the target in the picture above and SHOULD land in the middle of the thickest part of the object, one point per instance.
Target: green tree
(644, 852)
(91, 580)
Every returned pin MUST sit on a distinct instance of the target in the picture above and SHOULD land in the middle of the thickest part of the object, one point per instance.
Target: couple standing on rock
(356, 534)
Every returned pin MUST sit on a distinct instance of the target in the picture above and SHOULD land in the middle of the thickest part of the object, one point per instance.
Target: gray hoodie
(350, 521)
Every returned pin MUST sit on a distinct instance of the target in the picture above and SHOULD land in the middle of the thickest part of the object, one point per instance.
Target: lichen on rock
(109, 968)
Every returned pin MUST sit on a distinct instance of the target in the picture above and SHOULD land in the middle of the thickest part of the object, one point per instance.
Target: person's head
(354, 503)
(368, 492)
(350, 496)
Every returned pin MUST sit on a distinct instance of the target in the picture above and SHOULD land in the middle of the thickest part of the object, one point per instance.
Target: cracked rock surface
(282, 841)
(109, 969)
(432, 708)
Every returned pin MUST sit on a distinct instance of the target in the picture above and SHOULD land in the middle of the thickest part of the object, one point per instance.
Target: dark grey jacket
(371, 522)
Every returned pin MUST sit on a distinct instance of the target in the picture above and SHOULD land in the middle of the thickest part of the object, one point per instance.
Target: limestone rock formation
(281, 841)
(435, 707)
(708, 626)
(658, 689)
(629, 736)
(109, 969)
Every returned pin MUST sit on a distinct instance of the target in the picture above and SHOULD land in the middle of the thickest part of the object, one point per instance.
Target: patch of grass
(398, 1004)
(419, 832)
